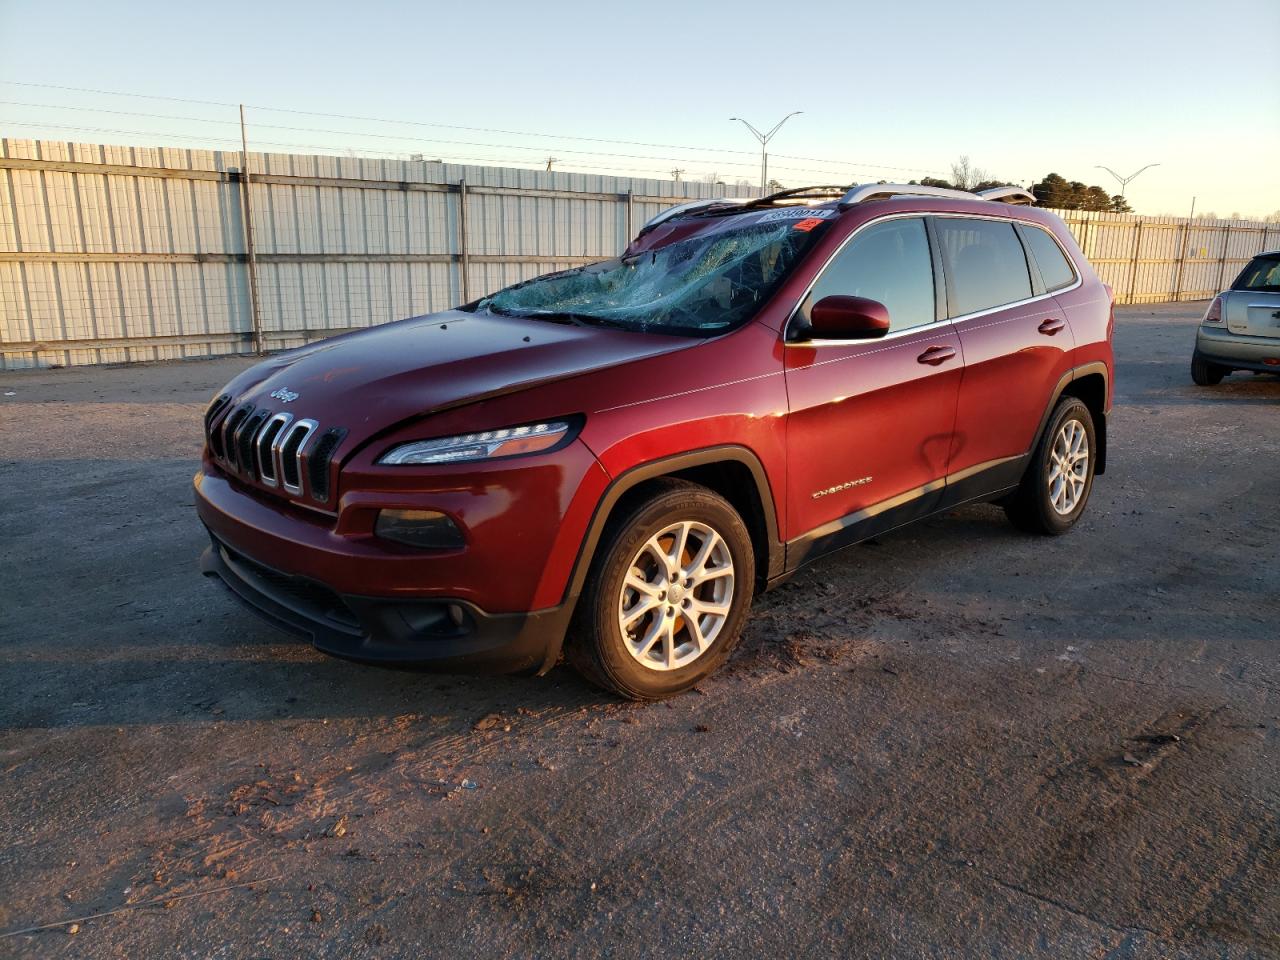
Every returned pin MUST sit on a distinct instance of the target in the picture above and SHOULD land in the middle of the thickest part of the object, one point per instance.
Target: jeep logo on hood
(284, 394)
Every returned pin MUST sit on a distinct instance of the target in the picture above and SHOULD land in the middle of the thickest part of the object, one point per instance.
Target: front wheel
(1056, 486)
(1206, 374)
(668, 594)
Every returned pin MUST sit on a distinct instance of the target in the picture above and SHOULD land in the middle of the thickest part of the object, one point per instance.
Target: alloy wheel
(676, 596)
(1068, 467)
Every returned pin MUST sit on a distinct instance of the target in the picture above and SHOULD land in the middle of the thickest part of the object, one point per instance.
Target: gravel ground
(956, 740)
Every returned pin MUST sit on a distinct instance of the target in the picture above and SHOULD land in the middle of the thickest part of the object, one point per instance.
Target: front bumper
(439, 633)
(1238, 352)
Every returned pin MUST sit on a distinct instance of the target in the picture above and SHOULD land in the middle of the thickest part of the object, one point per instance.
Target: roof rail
(689, 207)
(1014, 195)
(875, 191)
(796, 192)
(872, 191)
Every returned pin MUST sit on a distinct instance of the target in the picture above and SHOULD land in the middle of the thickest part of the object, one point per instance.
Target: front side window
(888, 262)
(1055, 271)
(703, 285)
(1262, 273)
(985, 263)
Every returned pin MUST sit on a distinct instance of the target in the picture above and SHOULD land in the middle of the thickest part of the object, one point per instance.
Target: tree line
(1053, 190)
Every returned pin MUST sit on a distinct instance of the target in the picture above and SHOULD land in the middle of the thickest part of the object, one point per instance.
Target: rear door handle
(1052, 326)
(936, 355)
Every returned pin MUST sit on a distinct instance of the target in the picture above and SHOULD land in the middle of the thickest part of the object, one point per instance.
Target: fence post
(463, 263)
(1182, 259)
(1133, 269)
(631, 218)
(247, 217)
(1222, 263)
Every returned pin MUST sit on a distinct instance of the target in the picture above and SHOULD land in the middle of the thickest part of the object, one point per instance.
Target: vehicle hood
(377, 378)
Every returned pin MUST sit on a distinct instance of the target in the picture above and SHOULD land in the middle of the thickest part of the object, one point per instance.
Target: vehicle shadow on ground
(248, 672)
(144, 640)
(178, 649)
(1166, 381)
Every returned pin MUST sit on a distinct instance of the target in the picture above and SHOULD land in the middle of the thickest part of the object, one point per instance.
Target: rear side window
(1262, 273)
(1055, 270)
(888, 262)
(985, 264)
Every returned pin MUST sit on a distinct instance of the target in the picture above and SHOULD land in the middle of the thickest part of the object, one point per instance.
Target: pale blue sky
(1020, 87)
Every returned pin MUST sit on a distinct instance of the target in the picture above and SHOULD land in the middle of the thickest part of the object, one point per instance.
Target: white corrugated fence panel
(111, 265)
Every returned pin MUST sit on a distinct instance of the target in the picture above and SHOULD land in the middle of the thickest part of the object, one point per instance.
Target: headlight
(490, 445)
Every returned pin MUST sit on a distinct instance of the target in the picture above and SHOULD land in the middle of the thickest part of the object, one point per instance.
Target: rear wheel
(1206, 374)
(1056, 486)
(668, 594)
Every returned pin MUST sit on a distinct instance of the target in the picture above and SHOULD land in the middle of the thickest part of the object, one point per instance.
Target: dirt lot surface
(958, 740)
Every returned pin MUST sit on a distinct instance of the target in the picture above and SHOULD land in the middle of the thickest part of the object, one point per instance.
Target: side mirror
(848, 318)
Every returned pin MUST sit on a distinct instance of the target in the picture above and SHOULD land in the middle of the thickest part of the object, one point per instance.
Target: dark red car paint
(921, 415)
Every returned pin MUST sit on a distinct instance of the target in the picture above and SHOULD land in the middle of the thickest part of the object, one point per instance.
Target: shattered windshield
(703, 285)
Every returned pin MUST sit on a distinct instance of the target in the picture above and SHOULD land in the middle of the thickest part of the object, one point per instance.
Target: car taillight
(1214, 313)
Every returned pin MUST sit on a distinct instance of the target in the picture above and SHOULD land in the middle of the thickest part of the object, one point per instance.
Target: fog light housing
(425, 529)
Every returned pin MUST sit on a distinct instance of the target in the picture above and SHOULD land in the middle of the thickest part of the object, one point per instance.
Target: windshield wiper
(549, 316)
(554, 316)
(566, 317)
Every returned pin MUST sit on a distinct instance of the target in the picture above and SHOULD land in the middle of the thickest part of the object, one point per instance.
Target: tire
(660, 654)
(1206, 374)
(1045, 502)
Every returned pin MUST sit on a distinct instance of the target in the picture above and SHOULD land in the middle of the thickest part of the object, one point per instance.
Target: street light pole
(764, 139)
(1124, 181)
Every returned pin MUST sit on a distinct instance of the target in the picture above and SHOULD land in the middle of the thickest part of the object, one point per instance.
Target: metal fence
(1157, 259)
(114, 254)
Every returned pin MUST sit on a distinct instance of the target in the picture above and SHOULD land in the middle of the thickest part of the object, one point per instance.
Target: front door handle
(936, 355)
(1052, 326)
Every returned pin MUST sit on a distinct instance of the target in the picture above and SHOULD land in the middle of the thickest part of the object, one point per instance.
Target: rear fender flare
(1100, 428)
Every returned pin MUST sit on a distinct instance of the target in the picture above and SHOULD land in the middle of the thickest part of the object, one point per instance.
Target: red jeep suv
(613, 459)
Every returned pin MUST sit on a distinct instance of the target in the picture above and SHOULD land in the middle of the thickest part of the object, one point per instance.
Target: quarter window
(1055, 271)
(888, 262)
(986, 266)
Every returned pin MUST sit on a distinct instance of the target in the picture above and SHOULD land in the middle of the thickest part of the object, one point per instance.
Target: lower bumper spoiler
(453, 636)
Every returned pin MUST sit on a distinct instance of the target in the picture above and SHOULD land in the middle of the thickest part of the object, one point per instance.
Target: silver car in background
(1241, 328)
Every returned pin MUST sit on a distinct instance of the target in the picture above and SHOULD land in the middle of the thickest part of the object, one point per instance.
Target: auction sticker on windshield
(797, 213)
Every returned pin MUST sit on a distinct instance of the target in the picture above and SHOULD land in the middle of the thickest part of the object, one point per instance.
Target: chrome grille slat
(265, 449)
(292, 446)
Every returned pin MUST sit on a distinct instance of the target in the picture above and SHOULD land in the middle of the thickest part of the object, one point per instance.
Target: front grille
(318, 462)
(313, 599)
(273, 449)
(228, 432)
(244, 444)
(211, 415)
